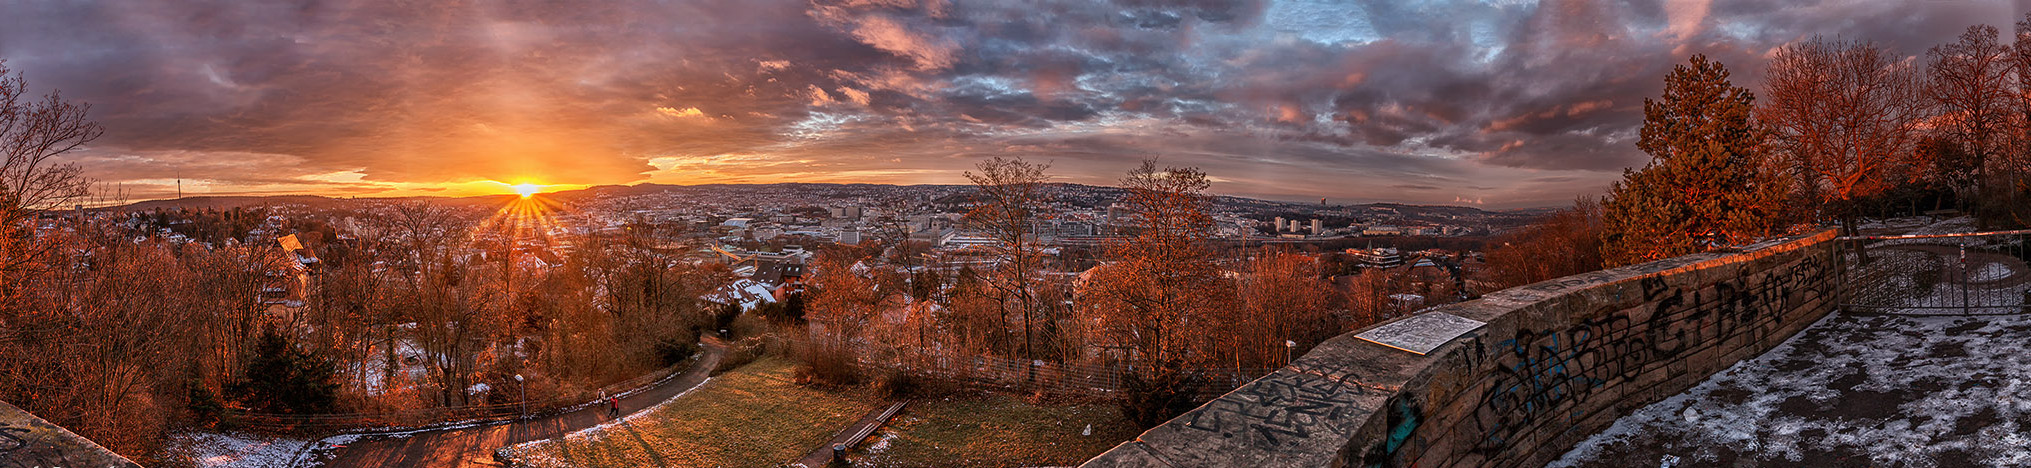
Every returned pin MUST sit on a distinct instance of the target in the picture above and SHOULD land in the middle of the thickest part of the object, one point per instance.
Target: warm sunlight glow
(527, 189)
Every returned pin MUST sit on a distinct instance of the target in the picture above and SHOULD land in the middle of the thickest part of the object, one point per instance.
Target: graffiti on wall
(1285, 406)
(1402, 420)
(1541, 376)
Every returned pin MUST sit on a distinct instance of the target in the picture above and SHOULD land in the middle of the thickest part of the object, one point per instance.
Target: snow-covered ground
(1989, 272)
(410, 367)
(1848, 391)
(217, 449)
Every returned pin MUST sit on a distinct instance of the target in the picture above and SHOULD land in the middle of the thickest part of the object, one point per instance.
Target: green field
(993, 430)
(751, 416)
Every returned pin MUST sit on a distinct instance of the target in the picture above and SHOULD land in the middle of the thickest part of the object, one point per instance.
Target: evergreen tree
(1709, 182)
(280, 378)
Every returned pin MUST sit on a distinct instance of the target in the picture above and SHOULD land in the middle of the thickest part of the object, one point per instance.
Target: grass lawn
(751, 416)
(993, 430)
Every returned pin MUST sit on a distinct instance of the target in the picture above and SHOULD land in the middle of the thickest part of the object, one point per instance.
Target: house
(746, 293)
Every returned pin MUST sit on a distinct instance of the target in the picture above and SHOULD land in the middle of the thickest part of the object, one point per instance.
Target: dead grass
(993, 430)
(753, 416)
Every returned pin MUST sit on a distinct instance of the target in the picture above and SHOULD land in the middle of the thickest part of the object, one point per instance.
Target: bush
(740, 353)
(748, 326)
(826, 364)
(1149, 400)
(671, 351)
(722, 318)
(204, 406)
(790, 311)
(897, 384)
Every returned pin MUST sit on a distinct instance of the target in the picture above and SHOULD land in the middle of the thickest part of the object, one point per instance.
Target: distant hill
(1078, 194)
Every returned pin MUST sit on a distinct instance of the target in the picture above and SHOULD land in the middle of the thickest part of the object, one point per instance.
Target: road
(474, 447)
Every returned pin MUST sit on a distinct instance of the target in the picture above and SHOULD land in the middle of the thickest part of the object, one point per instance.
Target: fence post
(1964, 280)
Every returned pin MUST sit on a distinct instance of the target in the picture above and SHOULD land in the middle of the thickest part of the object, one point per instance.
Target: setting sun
(526, 189)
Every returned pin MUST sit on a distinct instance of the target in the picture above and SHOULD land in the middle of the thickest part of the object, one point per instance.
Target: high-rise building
(1279, 224)
(1318, 226)
(845, 212)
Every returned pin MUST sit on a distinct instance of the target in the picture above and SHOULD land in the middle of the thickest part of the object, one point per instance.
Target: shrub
(749, 326)
(1149, 400)
(670, 351)
(827, 364)
(896, 384)
(740, 353)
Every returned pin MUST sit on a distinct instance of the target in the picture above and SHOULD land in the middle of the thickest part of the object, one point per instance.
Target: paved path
(851, 435)
(475, 446)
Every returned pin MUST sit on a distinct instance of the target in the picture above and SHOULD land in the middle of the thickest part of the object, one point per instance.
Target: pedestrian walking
(613, 407)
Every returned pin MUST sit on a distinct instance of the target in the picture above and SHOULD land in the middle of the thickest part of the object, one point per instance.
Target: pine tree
(280, 378)
(1709, 182)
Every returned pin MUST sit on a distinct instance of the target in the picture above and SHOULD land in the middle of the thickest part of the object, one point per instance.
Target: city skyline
(1496, 105)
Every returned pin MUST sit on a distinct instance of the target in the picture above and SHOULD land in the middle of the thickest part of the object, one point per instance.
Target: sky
(1497, 104)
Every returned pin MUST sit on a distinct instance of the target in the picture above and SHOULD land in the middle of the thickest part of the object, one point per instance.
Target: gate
(1979, 273)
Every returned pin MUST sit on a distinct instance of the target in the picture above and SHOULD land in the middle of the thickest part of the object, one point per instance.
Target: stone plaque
(1421, 333)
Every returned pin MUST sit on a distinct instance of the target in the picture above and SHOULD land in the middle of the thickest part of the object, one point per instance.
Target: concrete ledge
(26, 440)
(1556, 362)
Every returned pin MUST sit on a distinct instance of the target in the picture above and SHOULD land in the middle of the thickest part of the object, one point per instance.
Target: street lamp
(1288, 347)
(525, 394)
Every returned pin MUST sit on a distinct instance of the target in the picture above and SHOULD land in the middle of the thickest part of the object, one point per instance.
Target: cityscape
(957, 233)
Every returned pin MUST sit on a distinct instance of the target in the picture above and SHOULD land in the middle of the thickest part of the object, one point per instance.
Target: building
(1383, 257)
(845, 212)
(1318, 227)
(1382, 231)
(1279, 224)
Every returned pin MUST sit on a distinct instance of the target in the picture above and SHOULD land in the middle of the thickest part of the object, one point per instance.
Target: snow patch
(1900, 390)
(223, 449)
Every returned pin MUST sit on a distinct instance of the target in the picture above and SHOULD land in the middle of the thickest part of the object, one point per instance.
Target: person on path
(613, 407)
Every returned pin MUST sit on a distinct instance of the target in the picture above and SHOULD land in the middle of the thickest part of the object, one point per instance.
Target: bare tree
(1969, 81)
(1845, 114)
(33, 134)
(1160, 281)
(1014, 203)
(1284, 297)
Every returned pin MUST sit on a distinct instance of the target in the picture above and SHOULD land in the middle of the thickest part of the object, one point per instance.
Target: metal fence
(448, 415)
(1979, 273)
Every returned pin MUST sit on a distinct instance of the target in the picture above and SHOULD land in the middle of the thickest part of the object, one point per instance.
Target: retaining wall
(1557, 361)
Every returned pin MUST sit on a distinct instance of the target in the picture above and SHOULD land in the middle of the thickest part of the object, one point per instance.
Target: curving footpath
(474, 446)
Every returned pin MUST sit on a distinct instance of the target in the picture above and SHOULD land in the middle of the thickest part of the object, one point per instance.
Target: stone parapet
(1556, 362)
(29, 441)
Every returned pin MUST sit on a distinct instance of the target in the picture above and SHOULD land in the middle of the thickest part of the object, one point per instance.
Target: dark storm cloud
(1507, 103)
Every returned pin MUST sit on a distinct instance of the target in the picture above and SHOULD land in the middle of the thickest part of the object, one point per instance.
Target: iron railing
(1977, 273)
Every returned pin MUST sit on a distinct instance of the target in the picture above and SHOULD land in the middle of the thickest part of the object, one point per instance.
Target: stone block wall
(29, 441)
(1557, 361)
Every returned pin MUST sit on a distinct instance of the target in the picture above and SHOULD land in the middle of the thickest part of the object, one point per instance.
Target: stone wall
(1556, 362)
(29, 441)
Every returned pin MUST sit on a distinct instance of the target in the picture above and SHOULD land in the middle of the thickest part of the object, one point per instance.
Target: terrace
(1928, 363)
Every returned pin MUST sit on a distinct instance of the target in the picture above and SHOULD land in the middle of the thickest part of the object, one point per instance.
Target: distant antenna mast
(179, 185)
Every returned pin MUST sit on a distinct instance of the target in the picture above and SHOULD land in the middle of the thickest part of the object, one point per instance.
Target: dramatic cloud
(1507, 103)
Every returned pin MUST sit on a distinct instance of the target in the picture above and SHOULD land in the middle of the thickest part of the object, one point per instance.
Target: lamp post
(525, 394)
(1288, 347)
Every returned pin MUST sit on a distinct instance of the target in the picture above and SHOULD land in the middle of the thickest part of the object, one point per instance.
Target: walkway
(474, 446)
(1851, 390)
